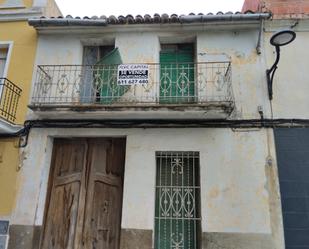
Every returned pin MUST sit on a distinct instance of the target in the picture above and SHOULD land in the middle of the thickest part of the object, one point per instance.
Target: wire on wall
(239, 124)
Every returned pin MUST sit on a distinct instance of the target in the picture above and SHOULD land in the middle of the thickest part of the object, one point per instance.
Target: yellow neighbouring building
(18, 43)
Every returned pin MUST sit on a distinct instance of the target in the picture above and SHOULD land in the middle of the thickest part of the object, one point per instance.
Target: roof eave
(62, 22)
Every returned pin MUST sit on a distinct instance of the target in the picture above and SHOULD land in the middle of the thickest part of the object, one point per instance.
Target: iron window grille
(177, 208)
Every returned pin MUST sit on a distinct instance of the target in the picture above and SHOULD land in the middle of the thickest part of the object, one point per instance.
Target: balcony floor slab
(214, 110)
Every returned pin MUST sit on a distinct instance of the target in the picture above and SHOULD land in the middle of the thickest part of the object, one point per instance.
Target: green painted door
(177, 74)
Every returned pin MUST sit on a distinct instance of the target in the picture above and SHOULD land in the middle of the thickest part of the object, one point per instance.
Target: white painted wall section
(59, 50)
(233, 194)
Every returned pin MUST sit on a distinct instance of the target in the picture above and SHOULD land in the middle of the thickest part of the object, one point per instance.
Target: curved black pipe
(271, 72)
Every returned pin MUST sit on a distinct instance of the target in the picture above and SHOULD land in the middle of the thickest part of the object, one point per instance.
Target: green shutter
(177, 76)
(106, 78)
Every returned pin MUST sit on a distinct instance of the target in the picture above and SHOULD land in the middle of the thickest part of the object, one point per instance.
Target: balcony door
(85, 194)
(100, 65)
(177, 74)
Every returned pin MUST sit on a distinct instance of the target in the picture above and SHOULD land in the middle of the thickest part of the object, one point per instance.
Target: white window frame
(9, 46)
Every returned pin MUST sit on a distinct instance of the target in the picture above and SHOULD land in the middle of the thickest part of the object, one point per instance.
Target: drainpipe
(41, 22)
(258, 45)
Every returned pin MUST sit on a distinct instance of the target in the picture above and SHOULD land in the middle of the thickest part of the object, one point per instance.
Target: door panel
(63, 210)
(66, 189)
(104, 219)
(104, 195)
(84, 208)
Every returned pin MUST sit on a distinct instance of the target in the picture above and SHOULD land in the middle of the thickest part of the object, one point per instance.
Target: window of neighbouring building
(3, 60)
(177, 203)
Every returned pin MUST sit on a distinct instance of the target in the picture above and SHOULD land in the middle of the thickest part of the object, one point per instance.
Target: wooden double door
(84, 201)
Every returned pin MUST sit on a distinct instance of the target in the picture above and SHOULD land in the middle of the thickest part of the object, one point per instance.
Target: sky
(134, 7)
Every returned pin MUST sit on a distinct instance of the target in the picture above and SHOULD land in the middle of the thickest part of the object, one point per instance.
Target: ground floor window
(177, 210)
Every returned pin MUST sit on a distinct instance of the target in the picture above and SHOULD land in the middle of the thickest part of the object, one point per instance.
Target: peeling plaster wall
(59, 50)
(138, 47)
(68, 50)
(248, 83)
(236, 201)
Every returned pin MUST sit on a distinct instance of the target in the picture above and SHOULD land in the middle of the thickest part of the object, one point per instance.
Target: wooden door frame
(52, 169)
(49, 189)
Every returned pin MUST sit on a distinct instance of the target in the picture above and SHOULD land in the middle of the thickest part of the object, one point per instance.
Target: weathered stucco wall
(248, 82)
(239, 46)
(138, 47)
(233, 201)
(59, 50)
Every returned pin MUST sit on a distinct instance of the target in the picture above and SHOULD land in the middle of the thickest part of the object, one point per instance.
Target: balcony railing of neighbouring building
(10, 94)
(168, 84)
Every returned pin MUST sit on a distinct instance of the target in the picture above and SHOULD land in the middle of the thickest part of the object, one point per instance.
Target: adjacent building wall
(21, 41)
(21, 60)
(280, 8)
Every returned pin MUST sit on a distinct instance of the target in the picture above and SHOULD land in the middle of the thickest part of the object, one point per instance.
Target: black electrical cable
(161, 123)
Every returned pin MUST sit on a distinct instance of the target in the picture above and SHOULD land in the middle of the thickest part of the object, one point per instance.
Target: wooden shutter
(106, 78)
(177, 75)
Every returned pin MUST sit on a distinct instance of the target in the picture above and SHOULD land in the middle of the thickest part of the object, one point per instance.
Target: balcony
(10, 94)
(184, 90)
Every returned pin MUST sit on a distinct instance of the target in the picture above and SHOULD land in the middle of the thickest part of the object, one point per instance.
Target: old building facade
(182, 186)
(174, 149)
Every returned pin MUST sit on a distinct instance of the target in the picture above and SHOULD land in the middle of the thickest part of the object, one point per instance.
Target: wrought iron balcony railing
(169, 84)
(10, 94)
